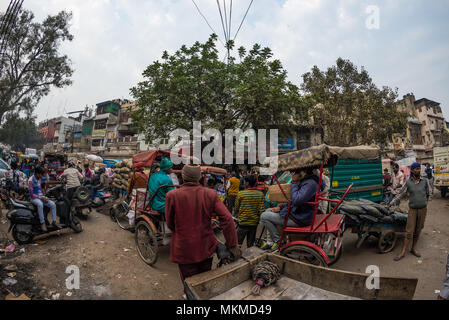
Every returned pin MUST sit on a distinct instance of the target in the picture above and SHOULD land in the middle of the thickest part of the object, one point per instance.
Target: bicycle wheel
(146, 243)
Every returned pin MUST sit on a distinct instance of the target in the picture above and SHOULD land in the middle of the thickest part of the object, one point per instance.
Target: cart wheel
(304, 254)
(146, 243)
(387, 241)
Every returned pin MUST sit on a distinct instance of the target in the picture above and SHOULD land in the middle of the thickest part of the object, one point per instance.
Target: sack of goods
(122, 173)
(366, 211)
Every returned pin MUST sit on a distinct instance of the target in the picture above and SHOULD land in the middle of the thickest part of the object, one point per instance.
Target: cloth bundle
(265, 274)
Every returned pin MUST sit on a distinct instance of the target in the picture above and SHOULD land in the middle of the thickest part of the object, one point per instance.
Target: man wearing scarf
(189, 210)
(418, 189)
(158, 179)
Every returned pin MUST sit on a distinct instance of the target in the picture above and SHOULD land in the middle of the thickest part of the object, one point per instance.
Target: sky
(403, 44)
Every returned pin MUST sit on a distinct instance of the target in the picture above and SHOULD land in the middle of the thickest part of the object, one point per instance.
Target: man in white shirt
(73, 179)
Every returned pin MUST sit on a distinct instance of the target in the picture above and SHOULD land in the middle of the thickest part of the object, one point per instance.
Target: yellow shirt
(234, 188)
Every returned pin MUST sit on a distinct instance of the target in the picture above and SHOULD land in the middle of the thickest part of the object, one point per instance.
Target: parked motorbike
(24, 218)
(15, 192)
(80, 202)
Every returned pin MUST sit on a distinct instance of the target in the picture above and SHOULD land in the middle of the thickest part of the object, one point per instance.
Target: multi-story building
(105, 125)
(424, 130)
(58, 133)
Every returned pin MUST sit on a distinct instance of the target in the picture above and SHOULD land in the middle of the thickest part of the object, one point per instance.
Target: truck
(441, 164)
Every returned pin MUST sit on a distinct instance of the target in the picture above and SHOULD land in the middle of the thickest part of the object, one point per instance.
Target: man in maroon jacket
(188, 211)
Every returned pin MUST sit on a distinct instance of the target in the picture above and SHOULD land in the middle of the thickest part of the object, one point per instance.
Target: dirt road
(111, 269)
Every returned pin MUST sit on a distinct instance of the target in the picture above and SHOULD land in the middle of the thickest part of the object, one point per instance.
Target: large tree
(32, 63)
(193, 84)
(350, 108)
(20, 133)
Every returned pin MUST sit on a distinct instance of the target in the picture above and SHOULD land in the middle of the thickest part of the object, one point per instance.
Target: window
(100, 124)
(124, 116)
(97, 143)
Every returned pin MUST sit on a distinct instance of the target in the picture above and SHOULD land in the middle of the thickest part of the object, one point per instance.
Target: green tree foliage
(20, 133)
(350, 108)
(32, 63)
(194, 84)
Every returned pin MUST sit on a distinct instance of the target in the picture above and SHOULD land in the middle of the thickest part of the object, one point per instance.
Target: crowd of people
(241, 203)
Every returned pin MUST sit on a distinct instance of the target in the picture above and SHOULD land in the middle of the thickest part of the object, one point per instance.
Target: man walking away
(249, 205)
(73, 179)
(419, 192)
(233, 190)
(188, 211)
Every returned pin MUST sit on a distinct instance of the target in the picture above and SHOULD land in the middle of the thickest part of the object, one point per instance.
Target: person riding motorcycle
(73, 179)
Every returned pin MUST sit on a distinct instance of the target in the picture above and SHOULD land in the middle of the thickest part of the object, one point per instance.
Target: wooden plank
(344, 282)
(215, 282)
(239, 292)
(320, 294)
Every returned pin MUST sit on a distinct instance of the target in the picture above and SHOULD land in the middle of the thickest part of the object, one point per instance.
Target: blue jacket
(300, 194)
(158, 179)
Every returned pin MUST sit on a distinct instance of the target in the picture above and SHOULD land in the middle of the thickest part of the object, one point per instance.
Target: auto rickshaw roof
(323, 154)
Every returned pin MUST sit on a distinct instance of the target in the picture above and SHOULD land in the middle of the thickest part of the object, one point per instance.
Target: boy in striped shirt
(249, 205)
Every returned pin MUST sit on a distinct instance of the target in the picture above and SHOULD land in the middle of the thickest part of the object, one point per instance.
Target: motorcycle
(24, 218)
(19, 193)
(99, 196)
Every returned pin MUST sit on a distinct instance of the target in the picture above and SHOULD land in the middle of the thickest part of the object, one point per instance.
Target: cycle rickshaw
(151, 230)
(321, 242)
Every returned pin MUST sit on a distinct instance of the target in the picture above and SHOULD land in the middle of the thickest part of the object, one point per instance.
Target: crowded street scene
(240, 158)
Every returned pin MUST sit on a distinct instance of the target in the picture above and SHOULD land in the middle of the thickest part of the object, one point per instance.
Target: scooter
(24, 219)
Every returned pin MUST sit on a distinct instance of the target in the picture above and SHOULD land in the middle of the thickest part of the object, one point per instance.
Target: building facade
(425, 128)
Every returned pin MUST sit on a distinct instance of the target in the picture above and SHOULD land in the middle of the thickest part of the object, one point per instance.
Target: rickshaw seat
(333, 225)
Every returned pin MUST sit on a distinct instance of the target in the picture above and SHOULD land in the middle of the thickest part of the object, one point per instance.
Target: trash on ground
(22, 250)
(437, 291)
(11, 267)
(10, 248)
(126, 250)
(11, 274)
(419, 261)
(9, 282)
(69, 294)
(119, 276)
(55, 296)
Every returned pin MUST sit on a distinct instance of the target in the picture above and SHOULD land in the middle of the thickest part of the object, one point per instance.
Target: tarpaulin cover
(146, 159)
(323, 154)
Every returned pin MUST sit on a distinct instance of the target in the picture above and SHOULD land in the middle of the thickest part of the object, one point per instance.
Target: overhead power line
(205, 19)
(222, 22)
(241, 23)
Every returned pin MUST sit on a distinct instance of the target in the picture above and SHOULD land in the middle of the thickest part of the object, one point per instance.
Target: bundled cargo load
(362, 210)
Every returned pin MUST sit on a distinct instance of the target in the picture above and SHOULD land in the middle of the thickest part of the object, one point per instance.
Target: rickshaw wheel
(146, 243)
(304, 254)
(387, 241)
